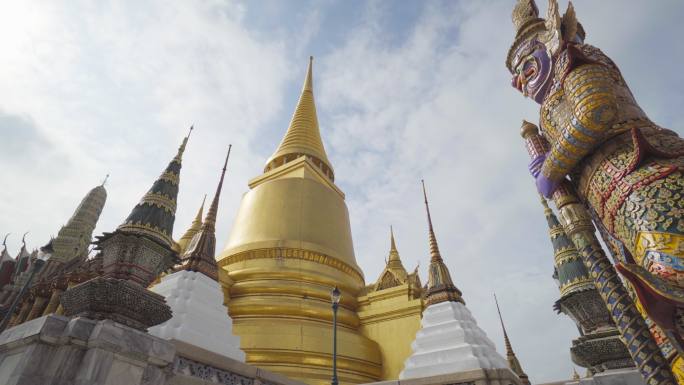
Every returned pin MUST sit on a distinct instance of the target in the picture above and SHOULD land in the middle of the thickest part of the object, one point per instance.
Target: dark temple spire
(154, 216)
(199, 255)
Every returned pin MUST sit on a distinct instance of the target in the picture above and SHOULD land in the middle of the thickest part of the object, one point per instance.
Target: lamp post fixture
(35, 268)
(335, 298)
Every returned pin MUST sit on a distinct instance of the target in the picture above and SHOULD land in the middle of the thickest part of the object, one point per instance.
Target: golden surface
(294, 210)
(391, 317)
(192, 230)
(303, 136)
(290, 244)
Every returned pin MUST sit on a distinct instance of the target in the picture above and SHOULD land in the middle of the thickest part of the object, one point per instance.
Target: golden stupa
(290, 244)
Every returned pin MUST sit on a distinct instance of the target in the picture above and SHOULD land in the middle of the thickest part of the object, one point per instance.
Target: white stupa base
(199, 317)
(450, 341)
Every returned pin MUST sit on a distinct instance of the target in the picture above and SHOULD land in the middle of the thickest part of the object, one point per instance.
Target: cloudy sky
(405, 90)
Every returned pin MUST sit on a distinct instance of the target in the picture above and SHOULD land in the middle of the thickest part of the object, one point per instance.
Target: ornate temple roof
(154, 215)
(570, 272)
(513, 362)
(199, 255)
(303, 136)
(7, 264)
(5, 256)
(394, 273)
(440, 287)
(194, 228)
(23, 259)
(74, 238)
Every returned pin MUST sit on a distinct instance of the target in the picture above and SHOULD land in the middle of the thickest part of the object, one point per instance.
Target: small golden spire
(513, 362)
(440, 287)
(434, 249)
(303, 137)
(210, 219)
(194, 228)
(394, 261)
(393, 245)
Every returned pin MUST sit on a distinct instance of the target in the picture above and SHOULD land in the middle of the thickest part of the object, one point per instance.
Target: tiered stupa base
(450, 342)
(199, 317)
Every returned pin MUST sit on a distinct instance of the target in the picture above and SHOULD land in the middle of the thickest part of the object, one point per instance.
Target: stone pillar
(37, 308)
(53, 305)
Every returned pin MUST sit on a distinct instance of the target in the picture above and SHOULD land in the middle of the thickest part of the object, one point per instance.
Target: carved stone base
(601, 351)
(118, 300)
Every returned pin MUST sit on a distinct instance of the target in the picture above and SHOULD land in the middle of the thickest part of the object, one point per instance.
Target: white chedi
(450, 341)
(199, 316)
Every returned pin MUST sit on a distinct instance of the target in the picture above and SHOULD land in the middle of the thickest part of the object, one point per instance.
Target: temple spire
(5, 254)
(393, 245)
(194, 228)
(105, 180)
(434, 249)
(394, 261)
(155, 215)
(199, 255)
(303, 137)
(440, 287)
(73, 239)
(513, 362)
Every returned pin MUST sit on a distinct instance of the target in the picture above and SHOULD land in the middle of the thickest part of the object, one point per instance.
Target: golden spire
(513, 362)
(199, 255)
(440, 287)
(303, 136)
(194, 228)
(394, 261)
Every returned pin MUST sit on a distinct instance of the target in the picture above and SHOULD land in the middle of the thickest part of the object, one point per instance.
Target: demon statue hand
(626, 169)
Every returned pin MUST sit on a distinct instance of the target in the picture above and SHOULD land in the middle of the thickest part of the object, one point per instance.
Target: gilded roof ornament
(440, 287)
(394, 273)
(303, 137)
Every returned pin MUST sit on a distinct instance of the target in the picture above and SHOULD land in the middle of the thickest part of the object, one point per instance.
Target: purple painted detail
(546, 186)
(536, 164)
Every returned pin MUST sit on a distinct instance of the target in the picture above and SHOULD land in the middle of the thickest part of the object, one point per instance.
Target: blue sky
(405, 90)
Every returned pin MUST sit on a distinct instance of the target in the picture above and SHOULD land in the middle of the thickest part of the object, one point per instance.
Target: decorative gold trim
(160, 200)
(146, 229)
(290, 253)
(170, 177)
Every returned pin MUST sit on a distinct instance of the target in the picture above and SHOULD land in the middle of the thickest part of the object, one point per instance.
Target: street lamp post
(35, 268)
(335, 297)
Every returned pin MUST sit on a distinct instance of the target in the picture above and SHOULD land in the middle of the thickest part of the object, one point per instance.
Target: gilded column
(54, 302)
(37, 308)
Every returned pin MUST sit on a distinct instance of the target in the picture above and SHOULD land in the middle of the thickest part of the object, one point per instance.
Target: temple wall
(56, 350)
(391, 318)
